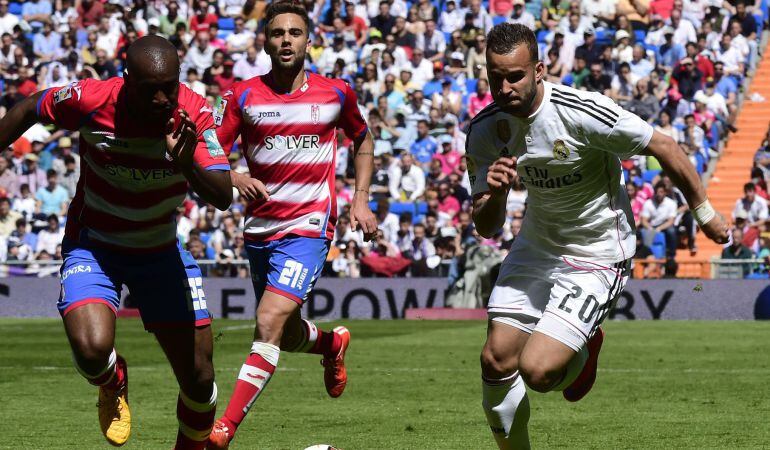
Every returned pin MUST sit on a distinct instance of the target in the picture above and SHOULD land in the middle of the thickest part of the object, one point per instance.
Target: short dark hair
(50, 173)
(660, 185)
(503, 38)
(749, 187)
(287, 7)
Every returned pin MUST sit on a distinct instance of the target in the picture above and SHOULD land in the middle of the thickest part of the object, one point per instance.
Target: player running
(570, 261)
(287, 120)
(143, 138)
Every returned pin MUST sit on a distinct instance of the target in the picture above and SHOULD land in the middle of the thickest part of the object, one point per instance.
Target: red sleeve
(67, 107)
(208, 153)
(228, 118)
(351, 121)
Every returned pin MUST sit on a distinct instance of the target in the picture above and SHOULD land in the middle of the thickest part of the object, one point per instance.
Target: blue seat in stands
(659, 245)
(640, 35)
(496, 20)
(399, 208)
(470, 85)
(210, 253)
(226, 23)
(649, 175)
(223, 34)
(422, 208)
(14, 8)
(541, 35)
(205, 238)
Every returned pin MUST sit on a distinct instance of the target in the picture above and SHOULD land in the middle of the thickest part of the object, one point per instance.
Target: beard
(297, 63)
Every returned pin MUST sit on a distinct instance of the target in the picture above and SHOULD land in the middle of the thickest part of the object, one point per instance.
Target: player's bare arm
(22, 116)
(213, 186)
(684, 176)
(489, 207)
(360, 214)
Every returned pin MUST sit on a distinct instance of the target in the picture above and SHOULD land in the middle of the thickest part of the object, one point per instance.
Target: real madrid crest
(560, 150)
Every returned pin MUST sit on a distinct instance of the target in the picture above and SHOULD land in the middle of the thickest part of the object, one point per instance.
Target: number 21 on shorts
(290, 273)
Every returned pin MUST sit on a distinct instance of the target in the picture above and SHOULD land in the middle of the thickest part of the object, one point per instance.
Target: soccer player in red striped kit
(288, 121)
(143, 139)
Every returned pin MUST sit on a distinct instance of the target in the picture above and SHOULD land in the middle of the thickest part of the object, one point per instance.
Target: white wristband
(703, 213)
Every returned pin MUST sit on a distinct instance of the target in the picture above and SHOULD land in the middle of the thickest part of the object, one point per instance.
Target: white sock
(506, 405)
(574, 367)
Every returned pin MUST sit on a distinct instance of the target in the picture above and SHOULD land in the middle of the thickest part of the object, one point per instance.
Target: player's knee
(91, 352)
(270, 327)
(200, 382)
(495, 365)
(539, 377)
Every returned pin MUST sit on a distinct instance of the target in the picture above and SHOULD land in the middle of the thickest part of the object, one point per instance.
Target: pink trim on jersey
(290, 144)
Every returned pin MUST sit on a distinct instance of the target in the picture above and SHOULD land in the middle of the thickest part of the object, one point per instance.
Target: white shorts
(566, 299)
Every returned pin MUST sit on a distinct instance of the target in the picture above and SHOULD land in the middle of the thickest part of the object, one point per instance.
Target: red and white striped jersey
(290, 144)
(128, 191)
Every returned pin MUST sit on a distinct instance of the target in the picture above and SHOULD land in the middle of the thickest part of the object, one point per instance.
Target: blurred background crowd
(419, 70)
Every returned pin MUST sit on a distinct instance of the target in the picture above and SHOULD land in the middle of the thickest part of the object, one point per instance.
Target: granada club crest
(315, 114)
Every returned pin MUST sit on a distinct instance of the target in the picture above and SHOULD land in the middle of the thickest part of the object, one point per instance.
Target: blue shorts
(165, 286)
(288, 266)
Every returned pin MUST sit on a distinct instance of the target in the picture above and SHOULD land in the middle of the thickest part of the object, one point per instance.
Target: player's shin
(254, 375)
(195, 421)
(506, 406)
(573, 369)
(109, 377)
(317, 341)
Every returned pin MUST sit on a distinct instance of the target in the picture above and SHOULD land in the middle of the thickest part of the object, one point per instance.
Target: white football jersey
(568, 154)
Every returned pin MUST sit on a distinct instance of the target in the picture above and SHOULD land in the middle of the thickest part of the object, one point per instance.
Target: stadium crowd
(419, 70)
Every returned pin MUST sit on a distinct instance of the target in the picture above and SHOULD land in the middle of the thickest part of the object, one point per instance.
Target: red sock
(195, 421)
(327, 344)
(254, 375)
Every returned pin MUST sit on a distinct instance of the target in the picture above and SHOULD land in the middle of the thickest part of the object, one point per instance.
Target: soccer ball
(321, 447)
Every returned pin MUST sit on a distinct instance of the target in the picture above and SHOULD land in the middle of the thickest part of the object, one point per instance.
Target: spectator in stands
(597, 81)
(69, 177)
(670, 52)
(30, 174)
(689, 78)
(7, 20)
(755, 206)
(53, 199)
(25, 204)
(657, 216)
(622, 85)
(408, 182)
(644, 104)
(636, 202)
(8, 217)
(8, 179)
(736, 250)
(479, 99)
(50, 237)
(425, 146)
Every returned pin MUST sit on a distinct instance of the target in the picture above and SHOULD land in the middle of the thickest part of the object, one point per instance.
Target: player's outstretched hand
(501, 175)
(717, 230)
(361, 215)
(181, 139)
(250, 188)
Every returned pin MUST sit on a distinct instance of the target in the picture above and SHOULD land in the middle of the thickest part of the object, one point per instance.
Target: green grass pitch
(412, 385)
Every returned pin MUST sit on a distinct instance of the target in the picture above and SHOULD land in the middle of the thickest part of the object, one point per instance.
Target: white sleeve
(612, 129)
(478, 160)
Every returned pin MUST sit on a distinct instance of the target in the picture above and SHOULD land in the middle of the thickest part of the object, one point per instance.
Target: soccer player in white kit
(570, 260)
